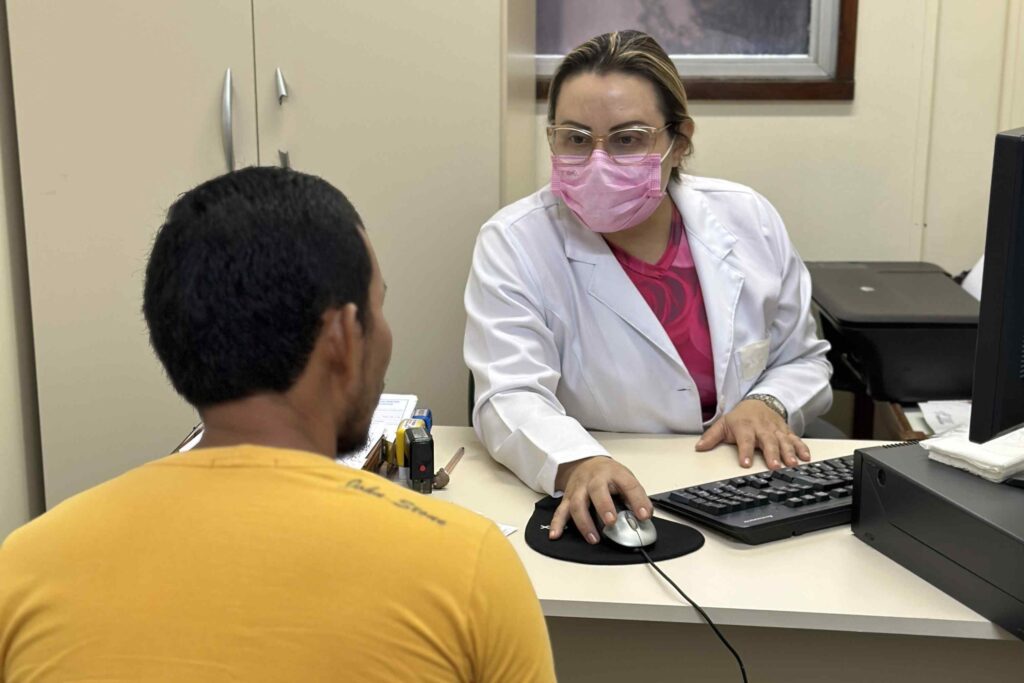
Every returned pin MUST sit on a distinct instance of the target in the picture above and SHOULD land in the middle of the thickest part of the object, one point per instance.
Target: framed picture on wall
(723, 49)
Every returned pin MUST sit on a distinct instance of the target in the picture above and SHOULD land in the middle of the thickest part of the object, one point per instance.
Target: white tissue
(995, 460)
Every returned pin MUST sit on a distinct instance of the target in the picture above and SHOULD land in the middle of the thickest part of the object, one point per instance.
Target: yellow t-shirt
(262, 564)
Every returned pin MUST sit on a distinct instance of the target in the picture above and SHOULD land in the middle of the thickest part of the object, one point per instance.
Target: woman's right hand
(595, 479)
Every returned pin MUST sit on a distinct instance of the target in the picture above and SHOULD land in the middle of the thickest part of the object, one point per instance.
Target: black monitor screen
(998, 396)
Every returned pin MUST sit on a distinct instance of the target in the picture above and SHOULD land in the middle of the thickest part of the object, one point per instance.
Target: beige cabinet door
(398, 104)
(119, 109)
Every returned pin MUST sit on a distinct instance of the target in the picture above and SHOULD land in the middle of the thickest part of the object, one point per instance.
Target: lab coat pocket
(753, 358)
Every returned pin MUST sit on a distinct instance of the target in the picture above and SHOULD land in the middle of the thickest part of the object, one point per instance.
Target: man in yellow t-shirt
(255, 557)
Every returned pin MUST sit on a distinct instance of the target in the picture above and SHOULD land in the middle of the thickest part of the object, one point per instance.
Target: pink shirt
(672, 289)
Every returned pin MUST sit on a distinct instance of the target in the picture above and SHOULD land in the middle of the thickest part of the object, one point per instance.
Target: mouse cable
(743, 670)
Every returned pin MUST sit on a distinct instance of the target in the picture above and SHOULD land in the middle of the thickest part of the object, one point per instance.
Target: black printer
(905, 331)
(961, 533)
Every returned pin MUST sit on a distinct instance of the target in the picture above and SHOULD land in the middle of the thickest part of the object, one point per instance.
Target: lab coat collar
(700, 223)
(581, 243)
(711, 242)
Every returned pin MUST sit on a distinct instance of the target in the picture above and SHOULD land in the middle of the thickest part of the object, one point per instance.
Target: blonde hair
(635, 53)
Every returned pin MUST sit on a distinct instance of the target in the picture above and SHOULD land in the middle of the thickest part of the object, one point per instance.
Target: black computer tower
(961, 533)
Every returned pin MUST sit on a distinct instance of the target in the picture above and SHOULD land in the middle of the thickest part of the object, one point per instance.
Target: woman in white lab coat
(629, 297)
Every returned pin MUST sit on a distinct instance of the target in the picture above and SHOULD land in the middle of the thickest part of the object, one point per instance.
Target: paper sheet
(972, 283)
(391, 409)
(190, 444)
(943, 416)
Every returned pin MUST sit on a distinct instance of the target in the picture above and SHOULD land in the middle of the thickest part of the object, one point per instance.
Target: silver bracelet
(772, 402)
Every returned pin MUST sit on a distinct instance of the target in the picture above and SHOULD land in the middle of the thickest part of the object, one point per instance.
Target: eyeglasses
(626, 146)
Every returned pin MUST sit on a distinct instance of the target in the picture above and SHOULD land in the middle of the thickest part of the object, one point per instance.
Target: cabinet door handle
(282, 88)
(226, 123)
(282, 93)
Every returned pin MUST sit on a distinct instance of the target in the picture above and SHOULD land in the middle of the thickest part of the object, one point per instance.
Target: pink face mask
(606, 196)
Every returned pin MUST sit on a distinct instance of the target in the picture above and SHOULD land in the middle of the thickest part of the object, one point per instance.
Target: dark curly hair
(240, 275)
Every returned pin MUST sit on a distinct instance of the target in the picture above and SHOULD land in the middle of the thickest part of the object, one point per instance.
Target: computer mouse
(628, 531)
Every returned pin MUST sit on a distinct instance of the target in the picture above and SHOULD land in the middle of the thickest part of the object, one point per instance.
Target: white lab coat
(560, 341)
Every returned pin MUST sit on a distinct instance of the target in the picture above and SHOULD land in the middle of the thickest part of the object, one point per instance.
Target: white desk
(813, 591)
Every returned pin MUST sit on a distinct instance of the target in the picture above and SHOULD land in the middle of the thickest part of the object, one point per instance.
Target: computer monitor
(998, 394)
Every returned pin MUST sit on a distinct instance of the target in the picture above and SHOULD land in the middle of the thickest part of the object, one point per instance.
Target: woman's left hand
(750, 425)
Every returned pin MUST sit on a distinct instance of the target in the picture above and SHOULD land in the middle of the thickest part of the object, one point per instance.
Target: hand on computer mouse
(627, 532)
(595, 480)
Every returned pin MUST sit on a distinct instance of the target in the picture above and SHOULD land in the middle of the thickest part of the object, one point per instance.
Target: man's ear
(343, 337)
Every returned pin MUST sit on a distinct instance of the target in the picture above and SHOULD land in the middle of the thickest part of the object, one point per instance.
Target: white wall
(900, 172)
(979, 90)
(20, 474)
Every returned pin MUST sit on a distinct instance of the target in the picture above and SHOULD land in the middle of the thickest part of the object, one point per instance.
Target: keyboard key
(738, 481)
(794, 502)
(785, 474)
(776, 495)
(684, 498)
(809, 498)
(821, 496)
(715, 508)
(814, 481)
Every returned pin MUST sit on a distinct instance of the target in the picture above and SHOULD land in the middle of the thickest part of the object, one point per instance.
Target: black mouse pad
(674, 540)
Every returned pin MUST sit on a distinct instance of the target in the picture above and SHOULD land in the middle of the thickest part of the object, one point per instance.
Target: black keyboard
(768, 506)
